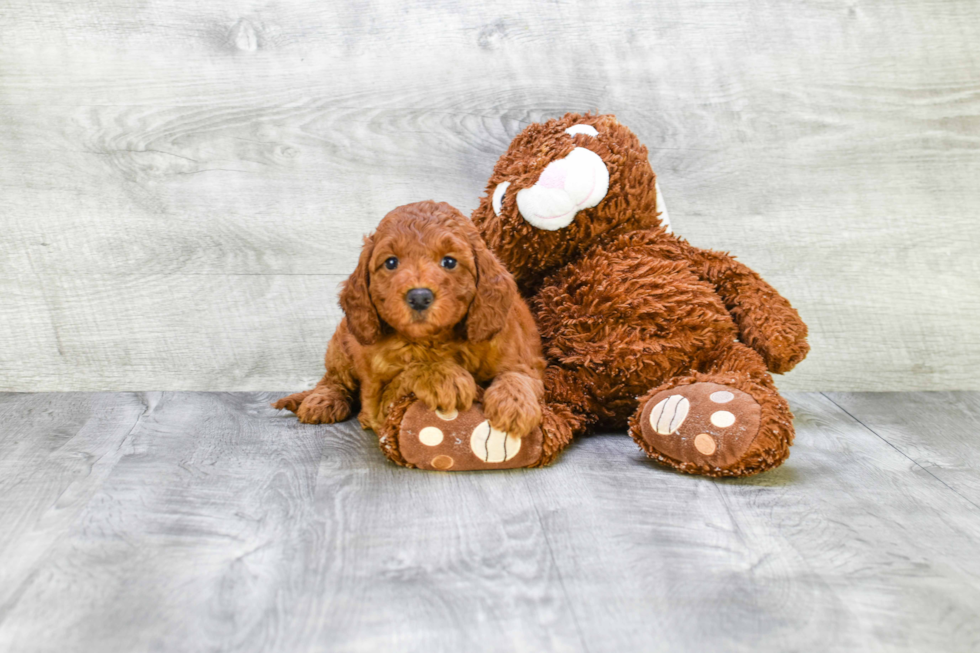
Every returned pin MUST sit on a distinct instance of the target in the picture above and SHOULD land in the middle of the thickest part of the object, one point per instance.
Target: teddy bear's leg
(415, 436)
(726, 420)
(567, 395)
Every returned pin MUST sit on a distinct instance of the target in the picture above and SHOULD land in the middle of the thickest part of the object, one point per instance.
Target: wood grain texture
(209, 522)
(208, 169)
(937, 430)
(820, 550)
(56, 451)
(226, 526)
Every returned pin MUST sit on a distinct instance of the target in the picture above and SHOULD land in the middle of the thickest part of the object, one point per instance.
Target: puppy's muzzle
(419, 299)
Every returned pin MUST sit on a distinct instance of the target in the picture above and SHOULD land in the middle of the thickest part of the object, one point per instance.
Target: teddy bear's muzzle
(565, 187)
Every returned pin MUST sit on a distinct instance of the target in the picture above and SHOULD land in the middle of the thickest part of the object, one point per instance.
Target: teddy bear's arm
(766, 320)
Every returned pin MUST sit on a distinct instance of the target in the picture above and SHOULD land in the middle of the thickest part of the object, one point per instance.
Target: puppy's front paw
(512, 407)
(447, 392)
(323, 406)
(292, 402)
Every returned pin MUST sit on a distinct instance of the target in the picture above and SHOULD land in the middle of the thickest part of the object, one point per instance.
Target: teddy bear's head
(561, 185)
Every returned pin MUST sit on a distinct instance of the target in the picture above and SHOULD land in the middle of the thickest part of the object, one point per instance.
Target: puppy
(429, 310)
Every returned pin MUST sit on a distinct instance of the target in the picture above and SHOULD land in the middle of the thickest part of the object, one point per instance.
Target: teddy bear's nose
(554, 175)
(419, 298)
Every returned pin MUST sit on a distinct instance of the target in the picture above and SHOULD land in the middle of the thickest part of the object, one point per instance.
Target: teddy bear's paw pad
(462, 441)
(701, 423)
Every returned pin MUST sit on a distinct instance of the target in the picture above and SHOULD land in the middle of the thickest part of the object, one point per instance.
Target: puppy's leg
(330, 401)
(512, 403)
(326, 404)
(292, 402)
(444, 388)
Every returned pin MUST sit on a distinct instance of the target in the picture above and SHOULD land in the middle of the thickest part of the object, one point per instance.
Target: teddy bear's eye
(498, 196)
(391, 262)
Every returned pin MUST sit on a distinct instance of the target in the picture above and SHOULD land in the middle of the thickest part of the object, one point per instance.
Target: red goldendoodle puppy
(429, 310)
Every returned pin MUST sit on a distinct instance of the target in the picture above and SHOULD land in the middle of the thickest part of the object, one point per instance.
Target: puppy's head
(423, 272)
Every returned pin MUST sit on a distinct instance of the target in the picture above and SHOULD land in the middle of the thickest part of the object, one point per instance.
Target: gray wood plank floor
(203, 521)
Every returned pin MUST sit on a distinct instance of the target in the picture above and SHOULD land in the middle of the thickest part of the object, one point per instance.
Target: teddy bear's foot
(462, 441)
(416, 436)
(714, 429)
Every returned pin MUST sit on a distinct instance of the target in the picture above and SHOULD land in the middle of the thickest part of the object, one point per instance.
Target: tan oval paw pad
(705, 444)
(442, 462)
(722, 419)
(430, 436)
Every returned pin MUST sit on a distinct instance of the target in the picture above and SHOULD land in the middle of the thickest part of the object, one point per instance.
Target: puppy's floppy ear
(355, 299)
(495, 291)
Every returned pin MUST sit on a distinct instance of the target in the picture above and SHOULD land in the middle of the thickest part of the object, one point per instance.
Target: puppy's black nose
(419, 298)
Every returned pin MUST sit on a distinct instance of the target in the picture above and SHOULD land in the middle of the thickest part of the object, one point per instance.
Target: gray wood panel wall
(183, 185)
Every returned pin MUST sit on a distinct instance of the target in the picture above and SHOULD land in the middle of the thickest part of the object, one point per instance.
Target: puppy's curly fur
(477, 330)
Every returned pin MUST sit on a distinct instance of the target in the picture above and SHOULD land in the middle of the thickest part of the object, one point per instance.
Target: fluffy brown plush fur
(477, 329)
(628, 311)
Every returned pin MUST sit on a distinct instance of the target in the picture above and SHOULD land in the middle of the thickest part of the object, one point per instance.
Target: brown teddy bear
(639, 327)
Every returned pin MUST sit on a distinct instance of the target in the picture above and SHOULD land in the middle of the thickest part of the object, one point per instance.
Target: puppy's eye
(391, 263)
(498, 196)
(448, 262)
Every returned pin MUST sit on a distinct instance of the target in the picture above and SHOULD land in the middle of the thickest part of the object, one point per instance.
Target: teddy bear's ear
(355, 299)
(495, 291)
